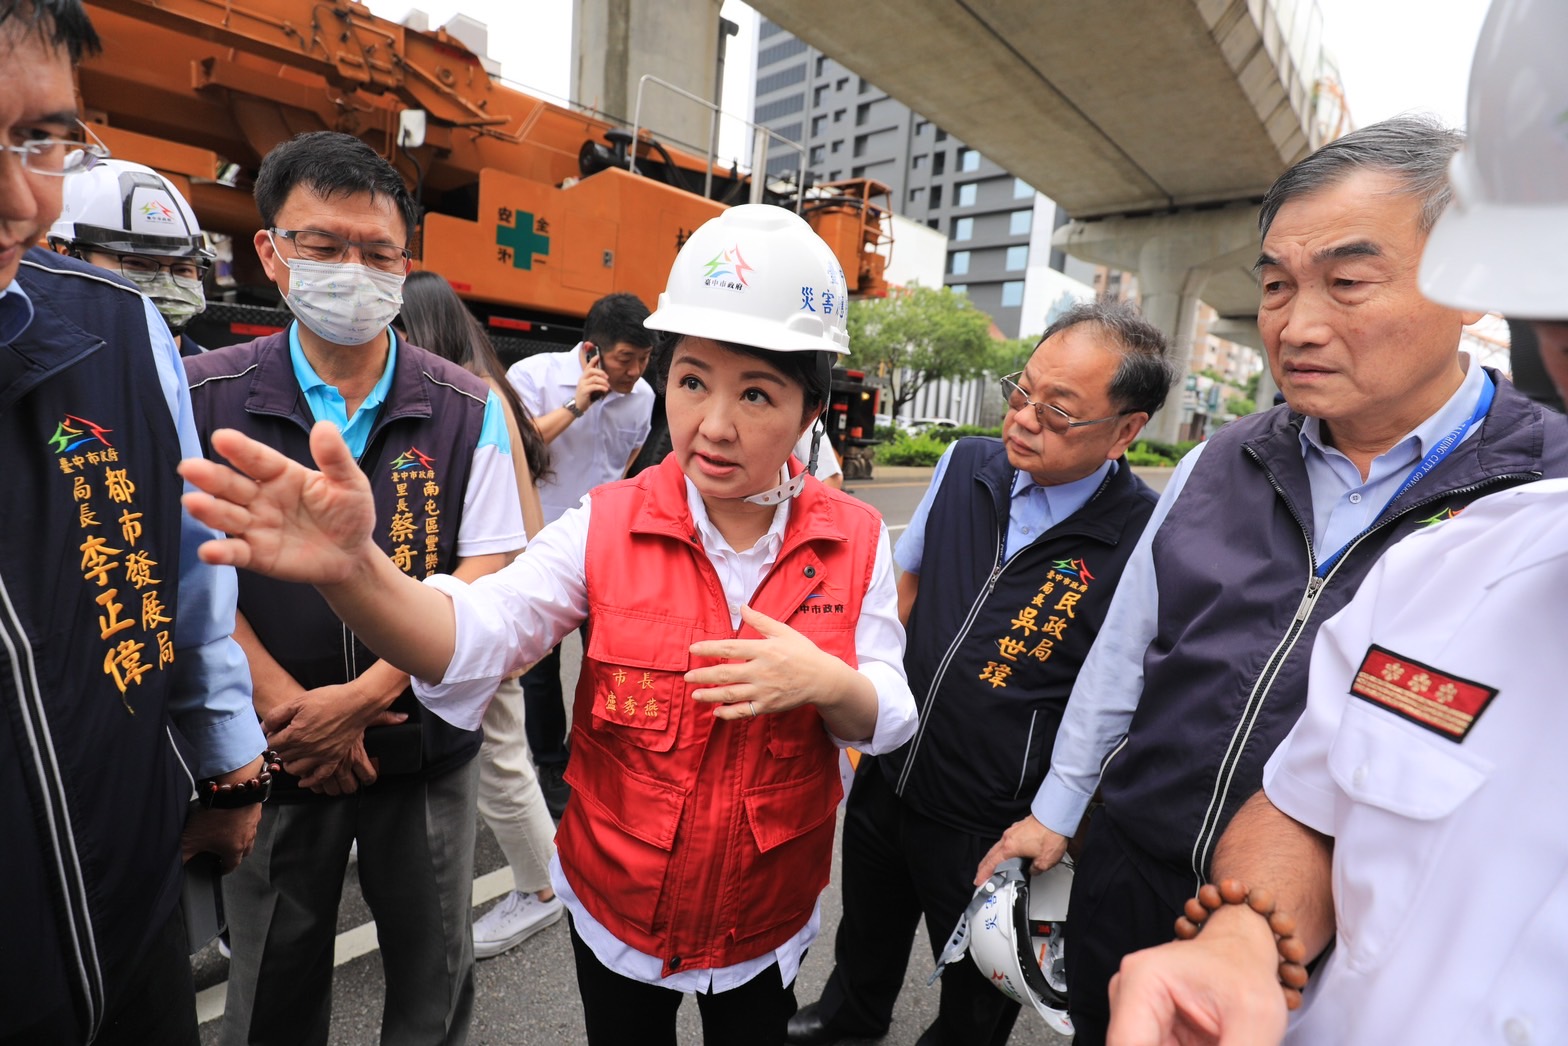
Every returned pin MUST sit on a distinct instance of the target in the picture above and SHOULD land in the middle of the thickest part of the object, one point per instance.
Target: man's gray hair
(1144, 377)
(1414, 149)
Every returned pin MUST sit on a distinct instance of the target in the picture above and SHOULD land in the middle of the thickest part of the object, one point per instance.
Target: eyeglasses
(315, 245)
(134, 265)
(58, 157)
(1048, 414)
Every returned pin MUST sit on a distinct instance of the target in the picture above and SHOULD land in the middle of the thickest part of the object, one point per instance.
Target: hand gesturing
(283, 519)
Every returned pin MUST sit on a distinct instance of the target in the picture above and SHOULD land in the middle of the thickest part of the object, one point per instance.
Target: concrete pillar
(616, 42)
(1176, 256)
(1245, 332)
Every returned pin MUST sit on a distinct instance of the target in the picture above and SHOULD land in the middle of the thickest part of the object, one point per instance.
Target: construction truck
(532, 210)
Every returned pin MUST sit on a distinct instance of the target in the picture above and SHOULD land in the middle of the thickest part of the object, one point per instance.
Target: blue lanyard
(1428, 463)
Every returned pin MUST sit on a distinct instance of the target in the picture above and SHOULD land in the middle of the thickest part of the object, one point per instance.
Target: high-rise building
(998, 228)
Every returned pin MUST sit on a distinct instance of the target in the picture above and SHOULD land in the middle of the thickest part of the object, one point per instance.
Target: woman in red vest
(742, 628)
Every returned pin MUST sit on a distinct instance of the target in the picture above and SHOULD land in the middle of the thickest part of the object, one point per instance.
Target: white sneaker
(518, 917)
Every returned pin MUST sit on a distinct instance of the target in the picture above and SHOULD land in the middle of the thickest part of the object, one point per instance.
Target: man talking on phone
(593, 408)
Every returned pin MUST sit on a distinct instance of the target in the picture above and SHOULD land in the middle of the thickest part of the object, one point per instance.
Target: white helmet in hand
(1014, 931)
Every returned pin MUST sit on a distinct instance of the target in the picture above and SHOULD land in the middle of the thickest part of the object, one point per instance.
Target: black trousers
(899, 866)
(544, 710)
(619, 1011)
(1119, 906)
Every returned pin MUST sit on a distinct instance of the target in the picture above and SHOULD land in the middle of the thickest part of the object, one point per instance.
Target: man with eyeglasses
(131, 220)
(121, 691)
(1264, 532)
(363, 761)
(1009, 564)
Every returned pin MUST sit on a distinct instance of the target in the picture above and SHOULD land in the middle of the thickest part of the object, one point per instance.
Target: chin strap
(788, 486)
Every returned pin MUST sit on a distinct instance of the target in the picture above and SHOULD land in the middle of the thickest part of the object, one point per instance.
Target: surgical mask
(177, 298)
(343, 302)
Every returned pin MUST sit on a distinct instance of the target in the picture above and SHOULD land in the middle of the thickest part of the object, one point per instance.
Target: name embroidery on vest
(1032, 635)
(116, 572)
(413, 475)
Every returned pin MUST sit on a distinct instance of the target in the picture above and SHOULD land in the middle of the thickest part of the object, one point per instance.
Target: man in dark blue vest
(1265, 532)
(1008, 568)
(364, 763)
(122, 695)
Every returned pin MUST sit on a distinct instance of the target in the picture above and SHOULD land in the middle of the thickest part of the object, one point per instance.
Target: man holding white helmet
(1405, 818)
(129, 219)
(1009, 566)
(363, 763)
(742, 629)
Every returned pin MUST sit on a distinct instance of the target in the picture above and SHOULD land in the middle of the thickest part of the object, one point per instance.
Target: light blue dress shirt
(210, 695)
(1110, 683)
(1034, 510)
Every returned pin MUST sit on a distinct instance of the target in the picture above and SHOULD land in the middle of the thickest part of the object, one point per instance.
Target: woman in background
(435, 318)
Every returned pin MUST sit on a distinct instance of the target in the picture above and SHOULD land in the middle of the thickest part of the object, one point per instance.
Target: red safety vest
(701, 841)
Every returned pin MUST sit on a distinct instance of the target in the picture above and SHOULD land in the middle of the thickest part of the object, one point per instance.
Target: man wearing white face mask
(361, 760)
(131, 220)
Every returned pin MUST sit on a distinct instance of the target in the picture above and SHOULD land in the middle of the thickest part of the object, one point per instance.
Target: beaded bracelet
(215, 796)
(1292, 953)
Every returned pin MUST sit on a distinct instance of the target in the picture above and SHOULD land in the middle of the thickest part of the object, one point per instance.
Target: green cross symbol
(523, 241)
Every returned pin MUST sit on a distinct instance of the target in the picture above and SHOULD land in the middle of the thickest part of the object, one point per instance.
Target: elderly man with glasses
(1008, 566)
(362, 761)
(1266, 531)
(117, 639)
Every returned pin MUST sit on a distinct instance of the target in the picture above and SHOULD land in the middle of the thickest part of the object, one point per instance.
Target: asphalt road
(528, 997)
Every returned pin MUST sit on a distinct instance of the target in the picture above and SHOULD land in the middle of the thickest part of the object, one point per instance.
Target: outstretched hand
(283, 519)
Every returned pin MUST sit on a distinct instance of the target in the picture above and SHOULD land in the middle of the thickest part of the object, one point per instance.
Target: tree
(917, 335)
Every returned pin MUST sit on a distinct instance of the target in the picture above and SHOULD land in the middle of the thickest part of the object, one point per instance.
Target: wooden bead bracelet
(258, 789)
(1292, 953)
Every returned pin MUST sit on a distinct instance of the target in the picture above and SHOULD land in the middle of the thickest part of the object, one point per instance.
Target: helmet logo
(154, 211)
(727, 269)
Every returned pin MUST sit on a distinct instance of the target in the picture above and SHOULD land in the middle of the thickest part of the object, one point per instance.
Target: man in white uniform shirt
(1407, 819)
(593, 407)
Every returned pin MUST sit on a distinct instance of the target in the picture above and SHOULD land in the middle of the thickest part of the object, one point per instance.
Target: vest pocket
(792, 824)
(618, 832)
(637, 674)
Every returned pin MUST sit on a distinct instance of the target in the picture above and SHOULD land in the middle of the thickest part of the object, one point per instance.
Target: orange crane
(532, 210)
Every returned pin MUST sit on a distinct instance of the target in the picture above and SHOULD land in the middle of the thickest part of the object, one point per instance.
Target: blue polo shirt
(327, 404)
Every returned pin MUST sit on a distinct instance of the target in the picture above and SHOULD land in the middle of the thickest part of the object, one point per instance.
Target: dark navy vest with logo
(92, 791)
(418, 459)
(1225, 677)
(994, 646)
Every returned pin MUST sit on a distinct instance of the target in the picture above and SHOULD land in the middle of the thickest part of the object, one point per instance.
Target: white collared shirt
(511, 618)
(1430, 751)
(595, 448)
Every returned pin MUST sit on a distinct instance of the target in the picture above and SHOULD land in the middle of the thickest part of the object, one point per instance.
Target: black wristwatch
(572, 406)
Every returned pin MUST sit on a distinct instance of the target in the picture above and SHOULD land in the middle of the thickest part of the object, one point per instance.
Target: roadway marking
(351, 944)
(901, 526)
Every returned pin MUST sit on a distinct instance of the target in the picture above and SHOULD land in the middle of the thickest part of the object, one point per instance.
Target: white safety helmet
(126, 208)
(757, 275)
(1499, 245)
(1014, 931)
